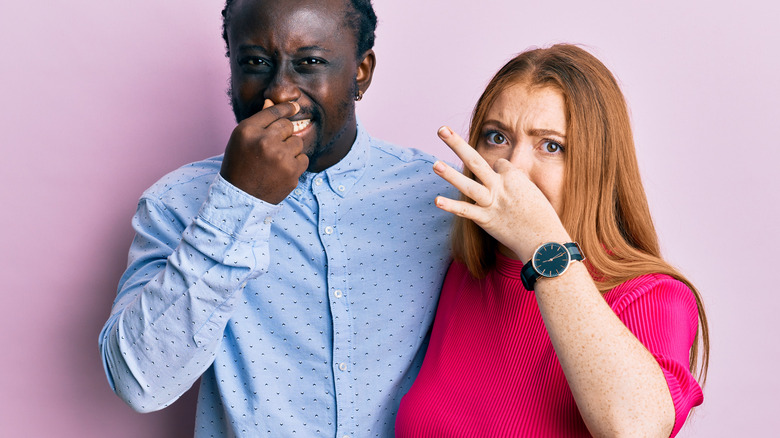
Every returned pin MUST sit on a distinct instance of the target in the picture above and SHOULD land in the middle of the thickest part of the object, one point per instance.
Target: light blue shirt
(307, 318)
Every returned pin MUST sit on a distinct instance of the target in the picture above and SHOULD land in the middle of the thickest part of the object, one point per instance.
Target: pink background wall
(99, 99)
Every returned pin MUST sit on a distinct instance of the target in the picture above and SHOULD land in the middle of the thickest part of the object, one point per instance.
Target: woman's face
(527, 126)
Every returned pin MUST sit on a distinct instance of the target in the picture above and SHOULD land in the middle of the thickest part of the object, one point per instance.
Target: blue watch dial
(551, 259)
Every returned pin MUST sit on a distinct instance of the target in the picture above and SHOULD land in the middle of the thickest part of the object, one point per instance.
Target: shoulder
(191, 179)
(657, 291)
(390, 152)
(406, 167)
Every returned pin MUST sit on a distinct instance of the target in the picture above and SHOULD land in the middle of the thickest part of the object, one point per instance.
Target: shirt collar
(342, 176)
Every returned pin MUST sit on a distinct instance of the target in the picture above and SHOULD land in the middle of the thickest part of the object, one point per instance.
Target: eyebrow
(312, 48)
(545, 133)
(532, 132)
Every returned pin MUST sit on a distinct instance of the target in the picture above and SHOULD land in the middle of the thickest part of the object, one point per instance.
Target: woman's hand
(507, 205)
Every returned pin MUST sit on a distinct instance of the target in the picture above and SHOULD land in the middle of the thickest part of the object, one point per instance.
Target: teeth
(299, 125)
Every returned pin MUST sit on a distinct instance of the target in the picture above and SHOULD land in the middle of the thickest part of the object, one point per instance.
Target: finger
(460, 208)
(503, 165)
(294, 145)
(470, 157)
(272, 112)
(282, 127)
(302, 161)
(473, 189)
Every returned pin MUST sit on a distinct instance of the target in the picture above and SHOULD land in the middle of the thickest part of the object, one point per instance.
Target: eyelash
(545, 141)
(253, 61)
(306, 61)
(490, 134)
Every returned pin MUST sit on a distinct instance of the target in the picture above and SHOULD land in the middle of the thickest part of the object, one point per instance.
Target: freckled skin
(285, 51)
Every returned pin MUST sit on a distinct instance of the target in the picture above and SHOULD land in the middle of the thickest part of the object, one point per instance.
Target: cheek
(491, 155)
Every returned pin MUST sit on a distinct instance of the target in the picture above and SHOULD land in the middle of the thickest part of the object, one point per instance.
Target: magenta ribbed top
(491, 371)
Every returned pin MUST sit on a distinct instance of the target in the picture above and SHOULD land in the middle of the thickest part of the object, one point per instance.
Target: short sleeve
(662, 313)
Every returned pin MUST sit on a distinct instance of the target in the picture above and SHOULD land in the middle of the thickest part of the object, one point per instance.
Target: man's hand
(263, 157)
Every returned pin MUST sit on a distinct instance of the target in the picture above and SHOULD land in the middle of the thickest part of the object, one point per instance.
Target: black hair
(361, 18)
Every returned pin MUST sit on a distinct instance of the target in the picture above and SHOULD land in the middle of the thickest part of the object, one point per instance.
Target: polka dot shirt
(307, 318)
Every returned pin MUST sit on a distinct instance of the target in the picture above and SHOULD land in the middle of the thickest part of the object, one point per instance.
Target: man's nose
(282, 88)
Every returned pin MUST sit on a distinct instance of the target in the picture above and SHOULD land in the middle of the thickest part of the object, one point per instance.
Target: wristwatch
(551, 259)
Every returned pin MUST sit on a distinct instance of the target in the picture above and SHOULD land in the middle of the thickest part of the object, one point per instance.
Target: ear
(365, 70)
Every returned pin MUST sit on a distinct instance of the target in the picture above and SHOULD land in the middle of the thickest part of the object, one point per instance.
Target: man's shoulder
(192, 179)
(389, 151)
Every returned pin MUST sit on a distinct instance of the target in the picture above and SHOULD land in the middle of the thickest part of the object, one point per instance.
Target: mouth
(300, 125)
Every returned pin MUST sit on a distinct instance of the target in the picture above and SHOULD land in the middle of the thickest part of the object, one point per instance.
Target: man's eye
(254, 62)
(312, 61)
(495, 137)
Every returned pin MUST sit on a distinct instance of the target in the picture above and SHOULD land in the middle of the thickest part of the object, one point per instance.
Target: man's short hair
(361, 19)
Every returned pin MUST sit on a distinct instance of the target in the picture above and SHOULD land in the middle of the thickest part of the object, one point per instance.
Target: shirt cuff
(237, 213)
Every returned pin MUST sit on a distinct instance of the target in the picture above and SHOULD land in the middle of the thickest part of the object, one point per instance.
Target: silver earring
(359, 96)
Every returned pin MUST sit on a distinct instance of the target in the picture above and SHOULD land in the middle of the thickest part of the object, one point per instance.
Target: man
(298, 275)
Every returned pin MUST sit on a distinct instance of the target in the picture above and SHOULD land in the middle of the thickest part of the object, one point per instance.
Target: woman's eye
(552, 147)
(496, 138)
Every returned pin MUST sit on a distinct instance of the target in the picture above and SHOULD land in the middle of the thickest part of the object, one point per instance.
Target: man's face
(299, 51)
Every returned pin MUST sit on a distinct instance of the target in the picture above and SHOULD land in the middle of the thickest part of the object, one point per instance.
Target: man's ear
(365, 71)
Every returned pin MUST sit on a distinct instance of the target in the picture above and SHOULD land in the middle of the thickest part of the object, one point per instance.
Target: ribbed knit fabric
(491, 371)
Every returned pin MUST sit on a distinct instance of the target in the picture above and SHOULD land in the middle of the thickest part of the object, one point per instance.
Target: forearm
(618, 385)
(173, 304)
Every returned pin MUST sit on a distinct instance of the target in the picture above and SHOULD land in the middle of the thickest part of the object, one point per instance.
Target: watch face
(551, 259)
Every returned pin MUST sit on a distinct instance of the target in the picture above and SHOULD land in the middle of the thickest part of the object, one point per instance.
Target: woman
(556, 346)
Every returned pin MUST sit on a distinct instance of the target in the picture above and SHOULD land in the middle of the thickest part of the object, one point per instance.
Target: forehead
(289, 24)
(531, 107)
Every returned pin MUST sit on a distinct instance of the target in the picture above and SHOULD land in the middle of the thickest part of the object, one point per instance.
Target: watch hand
(549, 260)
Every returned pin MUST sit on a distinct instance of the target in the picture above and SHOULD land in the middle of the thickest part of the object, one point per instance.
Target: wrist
(550, 260)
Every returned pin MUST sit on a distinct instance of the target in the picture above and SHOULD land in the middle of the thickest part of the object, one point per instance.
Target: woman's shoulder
(653, 287)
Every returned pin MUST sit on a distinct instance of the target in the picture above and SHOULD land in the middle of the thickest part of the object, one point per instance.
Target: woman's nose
(522, 158)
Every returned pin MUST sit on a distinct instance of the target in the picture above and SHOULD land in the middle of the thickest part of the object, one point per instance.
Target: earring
(359, 96)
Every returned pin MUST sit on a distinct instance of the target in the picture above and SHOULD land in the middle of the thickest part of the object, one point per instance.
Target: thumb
(503, 165)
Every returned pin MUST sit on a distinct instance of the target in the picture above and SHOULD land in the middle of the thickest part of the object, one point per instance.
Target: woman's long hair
(605, 208)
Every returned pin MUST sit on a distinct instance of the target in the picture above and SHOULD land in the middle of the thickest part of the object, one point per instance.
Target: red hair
(604, 202)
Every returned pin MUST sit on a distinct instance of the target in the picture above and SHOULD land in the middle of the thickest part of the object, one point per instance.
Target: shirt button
(318, 181)
(328, 230)
(268, 220)
(298, 192)
(345, 436)
(343, 366)
(342, 188)
(338, 293)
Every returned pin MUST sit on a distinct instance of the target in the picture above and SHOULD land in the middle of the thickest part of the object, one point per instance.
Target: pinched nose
(282, 89)
(522, 158)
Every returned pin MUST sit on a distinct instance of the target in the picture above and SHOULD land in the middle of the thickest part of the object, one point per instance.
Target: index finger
(470, 157)
(272, 112)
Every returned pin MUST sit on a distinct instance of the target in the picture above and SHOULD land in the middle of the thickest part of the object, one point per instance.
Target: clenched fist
(263, 157)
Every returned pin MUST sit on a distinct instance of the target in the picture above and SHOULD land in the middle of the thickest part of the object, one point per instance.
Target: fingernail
(438, 166)
(445, 132)
(268, 103)
(297, 107)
